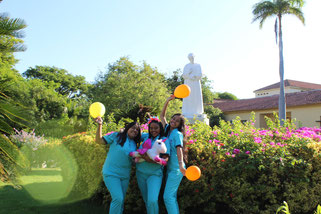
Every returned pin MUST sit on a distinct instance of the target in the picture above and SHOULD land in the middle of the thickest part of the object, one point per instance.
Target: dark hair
(161, 133)
(180, 128)
(122, 135)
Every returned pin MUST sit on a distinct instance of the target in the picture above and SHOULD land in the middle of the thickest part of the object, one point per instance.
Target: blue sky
(83, 37)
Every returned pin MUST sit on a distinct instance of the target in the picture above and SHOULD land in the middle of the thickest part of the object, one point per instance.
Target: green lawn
(43, 191)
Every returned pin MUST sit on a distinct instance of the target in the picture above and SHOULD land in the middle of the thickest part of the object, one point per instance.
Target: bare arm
(163, 113)
(99, 135)
(179, 152)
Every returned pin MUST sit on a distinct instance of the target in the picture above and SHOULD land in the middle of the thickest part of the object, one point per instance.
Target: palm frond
(262, 11)
(5, 127)
(297, 12)
(11, 27)
(8, 148)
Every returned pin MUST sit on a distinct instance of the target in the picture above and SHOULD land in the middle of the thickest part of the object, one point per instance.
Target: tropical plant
(284, 209)
(9, 153)
(278, 8)
(11, 29)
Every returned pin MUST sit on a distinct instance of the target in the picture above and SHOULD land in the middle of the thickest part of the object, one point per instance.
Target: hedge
(244, 169)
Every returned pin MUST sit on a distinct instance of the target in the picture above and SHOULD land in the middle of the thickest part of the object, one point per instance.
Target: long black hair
(180, 128)
(161, 133)
(122, 135)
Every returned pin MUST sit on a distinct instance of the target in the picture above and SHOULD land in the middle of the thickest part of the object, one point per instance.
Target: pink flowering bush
(30, 144)
(244, 169)
(249, 170)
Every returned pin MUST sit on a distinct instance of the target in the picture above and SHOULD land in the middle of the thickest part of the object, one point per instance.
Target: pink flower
(257, 140)
(248, 152)
(236, 151)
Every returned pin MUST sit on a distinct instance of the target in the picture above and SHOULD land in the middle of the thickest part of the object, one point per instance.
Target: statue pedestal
(197, 117)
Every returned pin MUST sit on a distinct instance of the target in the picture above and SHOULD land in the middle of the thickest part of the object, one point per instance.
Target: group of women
(149, 174)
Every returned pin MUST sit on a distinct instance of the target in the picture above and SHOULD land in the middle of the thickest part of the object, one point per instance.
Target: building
(290, 86)
(303, 103)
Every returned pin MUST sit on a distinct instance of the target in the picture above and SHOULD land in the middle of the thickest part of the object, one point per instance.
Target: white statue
(193, 104)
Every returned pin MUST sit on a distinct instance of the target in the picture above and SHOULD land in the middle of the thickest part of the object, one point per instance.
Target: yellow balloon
(193, 173)
(97, 109)
(182, 91)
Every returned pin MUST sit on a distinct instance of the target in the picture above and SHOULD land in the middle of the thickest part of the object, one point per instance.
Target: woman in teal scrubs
(118, 163)
(175, 132)
(150, 174)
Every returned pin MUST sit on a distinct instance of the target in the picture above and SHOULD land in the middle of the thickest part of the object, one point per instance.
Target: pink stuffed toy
(153, 152)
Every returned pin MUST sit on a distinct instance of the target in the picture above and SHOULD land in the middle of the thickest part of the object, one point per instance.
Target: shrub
(214, 115)
(248, 170)
(82, 165)
(29, 144)
(244, 169)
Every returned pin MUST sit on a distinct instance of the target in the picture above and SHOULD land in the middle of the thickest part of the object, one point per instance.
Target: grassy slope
(42, 191)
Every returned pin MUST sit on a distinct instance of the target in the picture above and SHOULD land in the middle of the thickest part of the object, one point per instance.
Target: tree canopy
(67, 84)
(126, 85)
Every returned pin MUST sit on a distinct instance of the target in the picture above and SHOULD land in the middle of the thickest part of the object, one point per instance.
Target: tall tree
(278, 8)
(125, 86)
(67, 84)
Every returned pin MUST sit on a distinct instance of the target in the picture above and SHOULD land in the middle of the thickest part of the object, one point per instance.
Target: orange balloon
(182, 91)
(193, 173)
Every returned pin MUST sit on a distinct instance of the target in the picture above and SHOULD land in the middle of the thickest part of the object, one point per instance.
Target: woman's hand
(172, 97)
(99, 120)
(181, 168)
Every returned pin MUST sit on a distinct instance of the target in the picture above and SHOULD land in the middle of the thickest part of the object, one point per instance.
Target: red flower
(231, 195)
(223, 160)
(196, 190)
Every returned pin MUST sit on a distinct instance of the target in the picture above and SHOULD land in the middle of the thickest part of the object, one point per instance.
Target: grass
(42, 191)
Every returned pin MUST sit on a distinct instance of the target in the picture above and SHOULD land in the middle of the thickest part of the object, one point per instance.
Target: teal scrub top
(175, 139)
(118, 163)
(152, 168)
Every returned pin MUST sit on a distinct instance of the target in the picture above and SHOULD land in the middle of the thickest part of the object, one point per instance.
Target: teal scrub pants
(149, 186)
(173, 180)
(117, 188)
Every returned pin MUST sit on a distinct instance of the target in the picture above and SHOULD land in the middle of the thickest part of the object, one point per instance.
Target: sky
(83, 37)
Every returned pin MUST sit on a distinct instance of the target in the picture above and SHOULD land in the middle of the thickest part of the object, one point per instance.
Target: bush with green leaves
(249, 170)
(244, 169)
(84, 160)
(82, 164)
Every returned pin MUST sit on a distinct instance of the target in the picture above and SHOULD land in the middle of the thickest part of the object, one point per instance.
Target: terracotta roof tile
(293, 83)
(270, 102)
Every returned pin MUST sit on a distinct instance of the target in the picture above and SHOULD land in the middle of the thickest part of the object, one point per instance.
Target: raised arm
(163, 113)
(99, 135)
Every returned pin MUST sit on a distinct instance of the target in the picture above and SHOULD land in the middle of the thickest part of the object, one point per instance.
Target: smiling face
(175, 121)
(133, 131)
(154, 129)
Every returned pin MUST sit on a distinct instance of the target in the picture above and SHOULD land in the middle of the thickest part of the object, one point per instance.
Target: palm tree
(278, 8)
(9, 153)
(10, 34)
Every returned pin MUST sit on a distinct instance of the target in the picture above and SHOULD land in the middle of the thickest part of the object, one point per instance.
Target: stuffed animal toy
(153, 152)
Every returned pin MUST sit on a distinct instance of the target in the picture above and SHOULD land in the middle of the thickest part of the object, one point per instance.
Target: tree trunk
(282, 105)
